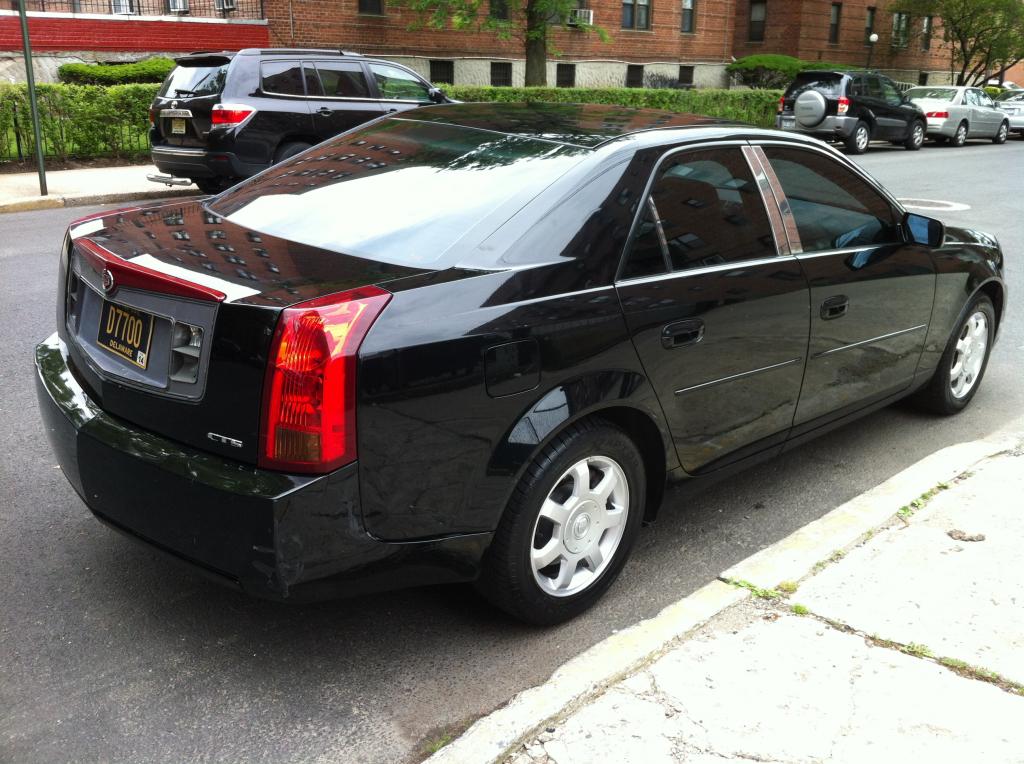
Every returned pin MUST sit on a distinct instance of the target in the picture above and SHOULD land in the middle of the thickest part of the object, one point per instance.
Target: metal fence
(243, 9)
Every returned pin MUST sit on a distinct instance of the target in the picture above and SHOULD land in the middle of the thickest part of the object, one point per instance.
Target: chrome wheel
(1003, 131)
(861, 138)
(961, 135)
(969, 355)
(579, 527)
(917, 136)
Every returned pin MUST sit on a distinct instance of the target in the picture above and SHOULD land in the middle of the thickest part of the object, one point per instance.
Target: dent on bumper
(276, 535)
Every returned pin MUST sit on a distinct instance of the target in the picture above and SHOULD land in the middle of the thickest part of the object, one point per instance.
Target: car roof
(583, 125)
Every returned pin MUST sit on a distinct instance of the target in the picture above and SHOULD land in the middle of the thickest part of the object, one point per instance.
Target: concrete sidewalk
(905, 645)
(94, 185)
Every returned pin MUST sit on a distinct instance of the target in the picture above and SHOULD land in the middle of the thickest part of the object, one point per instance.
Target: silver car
(1011, 103)
(956, 113)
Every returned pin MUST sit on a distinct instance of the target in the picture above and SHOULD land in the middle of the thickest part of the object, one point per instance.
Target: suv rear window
(829, 85)
(195, 79)
(397, 191)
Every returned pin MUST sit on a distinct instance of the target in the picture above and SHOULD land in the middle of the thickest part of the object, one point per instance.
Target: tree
(529, 20)
(985, 36)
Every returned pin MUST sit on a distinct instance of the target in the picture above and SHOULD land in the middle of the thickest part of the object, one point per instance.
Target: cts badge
(108, 280)
(224, 439)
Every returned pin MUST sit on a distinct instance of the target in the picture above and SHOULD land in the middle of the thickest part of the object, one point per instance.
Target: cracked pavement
(912, 648)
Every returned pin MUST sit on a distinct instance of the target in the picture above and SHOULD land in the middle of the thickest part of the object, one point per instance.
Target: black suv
(851, 107)
(223, 116)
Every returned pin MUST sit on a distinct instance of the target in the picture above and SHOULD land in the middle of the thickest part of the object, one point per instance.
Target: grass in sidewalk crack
(757, 591)
(968, 671)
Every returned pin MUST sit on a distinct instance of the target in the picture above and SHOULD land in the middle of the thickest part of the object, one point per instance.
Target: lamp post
(872, 39)
(33, 106)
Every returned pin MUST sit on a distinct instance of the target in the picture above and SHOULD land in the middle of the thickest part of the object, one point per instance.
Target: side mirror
(927, 232)
(438, 96)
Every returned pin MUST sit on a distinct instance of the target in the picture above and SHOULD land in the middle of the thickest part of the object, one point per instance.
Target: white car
(1011, 102)
(956, 113)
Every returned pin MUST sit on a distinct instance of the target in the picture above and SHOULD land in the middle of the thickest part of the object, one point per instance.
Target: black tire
(288, 150)
(857, 143)
(1002, 134)
(213, 185)
(915, 138)
(960, 138)
(937, 396)
(508, 579)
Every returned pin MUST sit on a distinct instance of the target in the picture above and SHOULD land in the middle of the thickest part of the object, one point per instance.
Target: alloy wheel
(969, 355)
(861, 138)
(918, 135)
(580, 525)
(1001, 135)
(961, 135)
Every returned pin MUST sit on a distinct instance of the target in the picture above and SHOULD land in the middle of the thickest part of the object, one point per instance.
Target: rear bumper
(942, 127)
(275, 536)
(835, 127)
(187, 162)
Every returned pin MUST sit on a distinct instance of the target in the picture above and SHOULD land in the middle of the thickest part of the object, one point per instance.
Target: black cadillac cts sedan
(472, 342)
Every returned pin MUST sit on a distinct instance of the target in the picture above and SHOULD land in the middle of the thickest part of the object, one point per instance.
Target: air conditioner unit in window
(225, 5)
(581, 16)
(177, 6)
(122, 7)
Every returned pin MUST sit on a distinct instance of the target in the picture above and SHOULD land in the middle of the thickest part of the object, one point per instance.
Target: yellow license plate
(126, 333)
(177, 126)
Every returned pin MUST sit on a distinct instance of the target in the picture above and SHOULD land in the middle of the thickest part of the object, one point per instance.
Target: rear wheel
(960, 136)
(964, 361)
(858, 141)
(916, 137)
(1000, 136)
(288, 150)
(569, 526)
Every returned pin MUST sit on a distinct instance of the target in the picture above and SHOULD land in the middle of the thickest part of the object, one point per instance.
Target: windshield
(1011, 95)
(401, 192)
(936, 94)
(188, 80)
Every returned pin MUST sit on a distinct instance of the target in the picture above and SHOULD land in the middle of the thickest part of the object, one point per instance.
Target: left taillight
(844, 105)
(152, 116)
(227, 115)
(309, 409)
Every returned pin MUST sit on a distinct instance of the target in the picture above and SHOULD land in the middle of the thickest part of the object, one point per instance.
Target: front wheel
(1002, 133)
(916, 137)
(569, 526)
(858, 141)
(960, 136)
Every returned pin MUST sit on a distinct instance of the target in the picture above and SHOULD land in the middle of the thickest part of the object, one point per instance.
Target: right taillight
(309, 407)
(937, 114)
(844, 105)
(226, 115)
(782, 104)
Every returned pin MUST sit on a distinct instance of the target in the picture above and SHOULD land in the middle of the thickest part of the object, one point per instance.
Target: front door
(342, 99)
(399, 89)
(871, 292)
(718, 316)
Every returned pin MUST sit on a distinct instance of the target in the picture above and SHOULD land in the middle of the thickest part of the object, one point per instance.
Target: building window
(501, 74)
(758, 13)
(922, 78)
(499, 10)
(636, 14)
(442, 71)
(372, 7)
(869, 25)
(833, 23)
(686, 76)
(926, 33)
(634, 76)
(565, 76)
(900, 29)
(689, 16)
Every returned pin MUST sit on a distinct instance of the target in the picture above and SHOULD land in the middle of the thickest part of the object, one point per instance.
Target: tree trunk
(536, 46)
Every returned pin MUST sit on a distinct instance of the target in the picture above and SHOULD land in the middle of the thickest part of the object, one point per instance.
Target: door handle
(681, 333)
(323, 111)
(835, 307)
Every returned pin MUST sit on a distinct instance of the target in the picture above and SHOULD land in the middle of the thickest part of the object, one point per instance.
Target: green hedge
(150, 70)
(756, 107)
(77, 120)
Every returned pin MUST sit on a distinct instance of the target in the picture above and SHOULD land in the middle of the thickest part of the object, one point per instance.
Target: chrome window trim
(787, 241)
(844, 250)
(742, 374)
(733, 266)
(841, 348)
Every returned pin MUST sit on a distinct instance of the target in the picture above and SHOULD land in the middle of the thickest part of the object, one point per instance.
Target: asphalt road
(110, 652)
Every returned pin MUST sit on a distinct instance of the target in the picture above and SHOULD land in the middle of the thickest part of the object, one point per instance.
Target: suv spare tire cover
(809, 108)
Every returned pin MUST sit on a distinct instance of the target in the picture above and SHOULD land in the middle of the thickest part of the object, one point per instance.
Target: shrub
(770, 70)
(993, 90)
(150, 70)
(756, 107)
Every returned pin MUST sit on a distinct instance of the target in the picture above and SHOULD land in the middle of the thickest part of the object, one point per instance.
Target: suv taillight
(844, 105)
(782, 104)
(152, 116)
(228, 114)
(309, 406)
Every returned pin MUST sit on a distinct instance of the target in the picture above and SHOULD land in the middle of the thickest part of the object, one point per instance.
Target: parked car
(1011, 102)
(471, 344)
(852, 108)
(956, 113)
(220, 117)
(1008, 84)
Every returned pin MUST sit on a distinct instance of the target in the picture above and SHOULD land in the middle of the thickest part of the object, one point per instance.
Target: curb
(78, 200)
(491, 739)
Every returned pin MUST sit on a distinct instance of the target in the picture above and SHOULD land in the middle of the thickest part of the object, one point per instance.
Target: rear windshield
(195, 80)
(824, 83)
(936, 94)
(402, 192)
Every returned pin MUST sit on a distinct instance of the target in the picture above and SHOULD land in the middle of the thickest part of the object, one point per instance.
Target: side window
(874, 87)
(399, 85)
(985, 99)
(889, 91)
(833, 207)
(857, 86)
(282, 78)
(342, 80)
(704, 209)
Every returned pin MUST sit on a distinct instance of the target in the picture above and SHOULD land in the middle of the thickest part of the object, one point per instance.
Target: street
(112, 652)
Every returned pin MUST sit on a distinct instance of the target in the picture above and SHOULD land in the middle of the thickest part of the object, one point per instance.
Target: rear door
(717, 309)
(340, 97)
(284, 108)
(398, 88)
(185, 101)
(871, 292)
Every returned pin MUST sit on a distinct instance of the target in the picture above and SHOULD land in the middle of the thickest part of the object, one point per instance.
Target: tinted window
(826, 84)
(874, 86)
(889, 91)
(341, 80)
(399, 85)
(282, 77)
(704, 209)
(190, 81)
(402, 192)
(833, 207)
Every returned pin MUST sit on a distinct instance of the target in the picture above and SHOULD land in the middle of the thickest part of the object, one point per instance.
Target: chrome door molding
(871, 341)
(741, 375)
